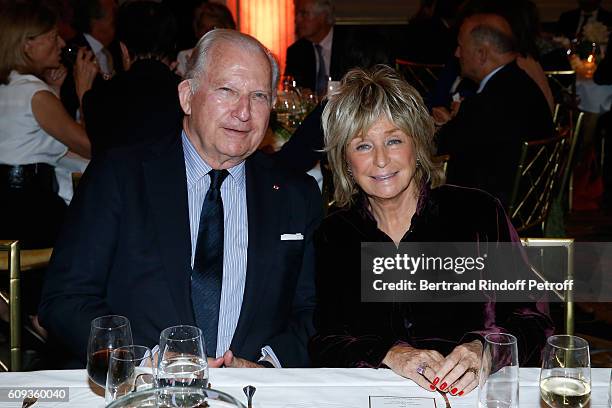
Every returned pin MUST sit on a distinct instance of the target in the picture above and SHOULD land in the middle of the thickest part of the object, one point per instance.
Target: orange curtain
(270, 21)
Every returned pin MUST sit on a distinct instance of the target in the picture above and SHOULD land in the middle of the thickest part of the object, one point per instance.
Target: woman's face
(383, 161)
(44, 50)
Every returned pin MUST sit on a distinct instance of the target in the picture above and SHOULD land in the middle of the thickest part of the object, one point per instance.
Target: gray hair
(198, 62)
(327, 7)
(499, 40)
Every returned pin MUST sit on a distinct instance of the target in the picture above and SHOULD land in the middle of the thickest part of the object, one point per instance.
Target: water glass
(565, 379)
(498, 380)
(182, 358)
(106, 334)
(130, 368)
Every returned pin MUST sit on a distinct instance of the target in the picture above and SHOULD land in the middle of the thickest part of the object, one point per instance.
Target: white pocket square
(292, 237)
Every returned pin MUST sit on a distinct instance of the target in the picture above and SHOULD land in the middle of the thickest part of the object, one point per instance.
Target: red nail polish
(460, 393)
(436, 381)
(432, 387)
(454, 391)
(443, 386)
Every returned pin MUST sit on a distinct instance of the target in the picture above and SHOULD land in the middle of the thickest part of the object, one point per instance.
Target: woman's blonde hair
(364, 96)
(20, 22)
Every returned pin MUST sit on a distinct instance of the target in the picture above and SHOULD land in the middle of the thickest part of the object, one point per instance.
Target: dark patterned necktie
(207, 274)
(321, 83)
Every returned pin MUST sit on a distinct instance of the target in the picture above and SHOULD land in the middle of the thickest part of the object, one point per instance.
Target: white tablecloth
(302, 388)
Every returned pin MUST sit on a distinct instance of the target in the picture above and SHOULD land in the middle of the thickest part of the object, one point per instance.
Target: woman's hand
(54, 77)
(85, 71)
(405, 360)
(458, 373)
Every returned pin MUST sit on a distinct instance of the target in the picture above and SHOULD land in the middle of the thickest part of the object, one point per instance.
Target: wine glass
(498, 382)
(565, 379)
(182, 358)
(106, 334)
(129, 369)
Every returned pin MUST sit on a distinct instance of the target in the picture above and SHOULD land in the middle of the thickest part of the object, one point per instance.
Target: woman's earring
(418, 163)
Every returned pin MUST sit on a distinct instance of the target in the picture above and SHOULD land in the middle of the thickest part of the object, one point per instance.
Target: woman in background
(36, 133)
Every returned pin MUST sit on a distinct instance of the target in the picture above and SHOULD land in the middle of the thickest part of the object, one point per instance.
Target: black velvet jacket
(355, 334)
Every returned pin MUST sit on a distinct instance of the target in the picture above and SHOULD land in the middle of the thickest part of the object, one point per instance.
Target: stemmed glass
(498, 381)
(129, 369)
(106, 334)
(182, 358)
(565, 379)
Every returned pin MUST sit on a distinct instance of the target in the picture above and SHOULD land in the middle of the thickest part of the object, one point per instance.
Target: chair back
(14, 302)
(545, 258)
(536, 181)
(421, 76)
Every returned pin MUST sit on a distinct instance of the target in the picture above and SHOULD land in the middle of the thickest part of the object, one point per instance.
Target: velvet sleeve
(529, 322)
(345, 335)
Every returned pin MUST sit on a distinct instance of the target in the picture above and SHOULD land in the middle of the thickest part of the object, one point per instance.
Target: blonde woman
(379, 140)
(36, 132)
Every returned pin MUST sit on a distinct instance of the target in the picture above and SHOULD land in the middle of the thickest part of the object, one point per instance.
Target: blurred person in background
(37, 135)
(94, 21)
(142, 102)
(206, 16)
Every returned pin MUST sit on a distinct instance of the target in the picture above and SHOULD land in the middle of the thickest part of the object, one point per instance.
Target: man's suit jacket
(568, 21)
(68, 94)
(139, 104)
(125, 249)
(484, 139)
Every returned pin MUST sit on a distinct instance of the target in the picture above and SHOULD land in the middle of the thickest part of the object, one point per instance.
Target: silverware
(249, 391)
(28, 402)
(446, 401)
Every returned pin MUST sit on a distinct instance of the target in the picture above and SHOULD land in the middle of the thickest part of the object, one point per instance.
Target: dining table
(299, 387)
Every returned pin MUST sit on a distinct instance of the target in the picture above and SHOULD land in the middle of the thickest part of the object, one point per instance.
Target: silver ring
(421, 369)
(473, 370)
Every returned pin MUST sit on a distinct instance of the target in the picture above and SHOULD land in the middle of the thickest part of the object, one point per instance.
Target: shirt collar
(326, 43)
(592, 14)
(196, 167)
(96, 46)
(483, 83)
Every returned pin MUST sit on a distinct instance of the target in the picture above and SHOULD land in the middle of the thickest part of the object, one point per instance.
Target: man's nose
(242, 108)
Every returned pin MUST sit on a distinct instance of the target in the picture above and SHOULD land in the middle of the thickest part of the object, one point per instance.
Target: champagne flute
(498, 382)
(129, 369)
(565, 379)
(106, 334)
(182, 358)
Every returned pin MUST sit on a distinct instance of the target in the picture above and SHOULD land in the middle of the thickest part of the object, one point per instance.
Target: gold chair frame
(535, 181)
(567, 296)
(14, 302)
(418, 74)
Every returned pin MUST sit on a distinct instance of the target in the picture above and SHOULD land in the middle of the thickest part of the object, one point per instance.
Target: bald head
(485, 43)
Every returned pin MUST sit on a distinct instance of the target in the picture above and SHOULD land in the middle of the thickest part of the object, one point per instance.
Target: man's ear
(482, 53)
(185, 95)
(125, 56)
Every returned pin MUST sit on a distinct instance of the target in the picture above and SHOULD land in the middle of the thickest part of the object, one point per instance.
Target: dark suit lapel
(166, 186)
(263, 217)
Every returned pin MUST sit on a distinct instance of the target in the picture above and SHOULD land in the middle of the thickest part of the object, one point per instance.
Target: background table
(302, 388)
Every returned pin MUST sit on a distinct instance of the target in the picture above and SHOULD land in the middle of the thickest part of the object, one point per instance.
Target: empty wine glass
(106, 334)
(565, 379)
(129, 369)
(182, 358)
(498, 382)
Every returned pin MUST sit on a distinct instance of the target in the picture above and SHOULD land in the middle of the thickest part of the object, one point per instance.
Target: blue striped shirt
(235, 235)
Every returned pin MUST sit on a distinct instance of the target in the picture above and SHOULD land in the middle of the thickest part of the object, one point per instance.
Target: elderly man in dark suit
(196, 228)
(572, 22)
(484, 137)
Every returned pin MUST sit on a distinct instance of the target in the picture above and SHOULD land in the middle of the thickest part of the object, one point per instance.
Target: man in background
(484, 138)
